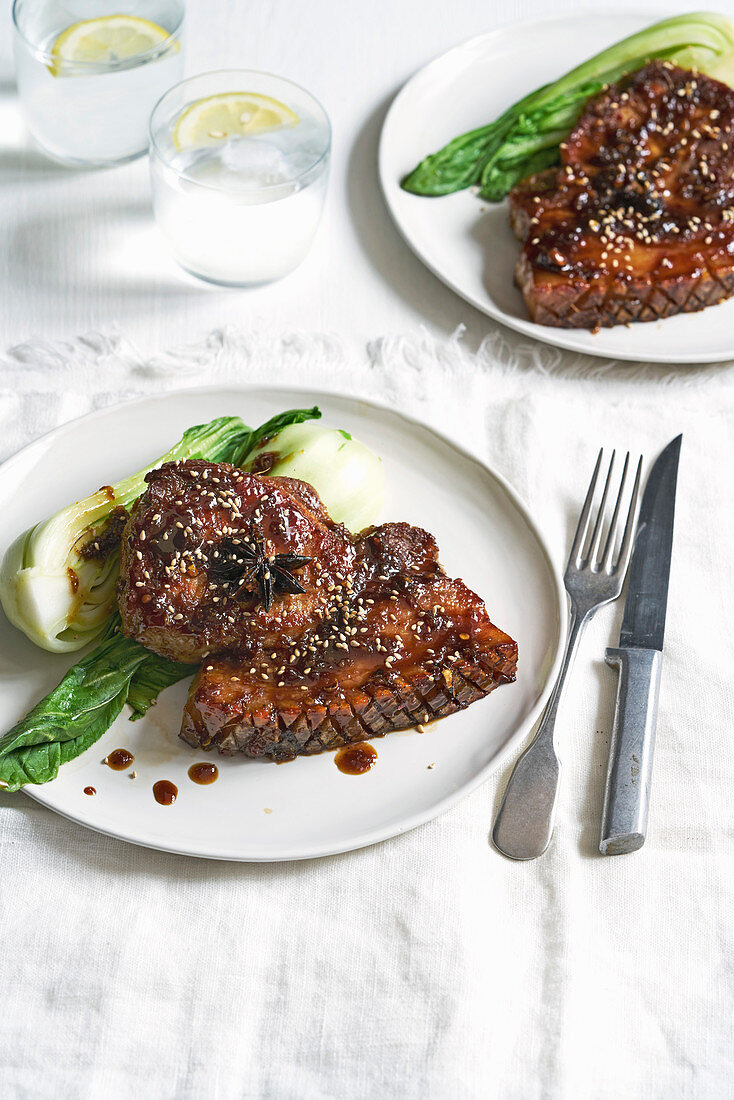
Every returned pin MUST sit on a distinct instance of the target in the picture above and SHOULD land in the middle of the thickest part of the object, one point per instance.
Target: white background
(426, 967)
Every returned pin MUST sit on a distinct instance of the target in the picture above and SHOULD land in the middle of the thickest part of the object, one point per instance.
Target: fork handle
(524, 824)
(627, 792)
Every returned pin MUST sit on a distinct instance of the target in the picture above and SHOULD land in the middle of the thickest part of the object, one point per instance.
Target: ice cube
(260, 162)
(252, 161)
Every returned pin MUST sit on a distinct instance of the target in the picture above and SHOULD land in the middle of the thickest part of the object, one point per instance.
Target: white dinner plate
(259, 810)
(468, 242)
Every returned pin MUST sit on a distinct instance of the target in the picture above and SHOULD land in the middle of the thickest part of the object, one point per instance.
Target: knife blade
(638, 659)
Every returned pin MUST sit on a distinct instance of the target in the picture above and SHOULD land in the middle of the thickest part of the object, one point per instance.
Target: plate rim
(389, 186)
(380, 833)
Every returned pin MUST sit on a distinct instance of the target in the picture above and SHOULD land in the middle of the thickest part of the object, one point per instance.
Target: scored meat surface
(638, 222)
(401, 644)
(179, 560)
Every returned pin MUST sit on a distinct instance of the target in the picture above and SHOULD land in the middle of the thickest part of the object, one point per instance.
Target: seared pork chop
(191, 541)
(401, 643)
(638, 223)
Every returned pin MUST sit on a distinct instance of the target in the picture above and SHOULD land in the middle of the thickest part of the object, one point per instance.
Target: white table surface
(427, 967)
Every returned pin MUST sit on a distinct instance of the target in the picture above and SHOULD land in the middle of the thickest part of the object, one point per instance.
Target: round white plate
(468, 242)
(258, 810)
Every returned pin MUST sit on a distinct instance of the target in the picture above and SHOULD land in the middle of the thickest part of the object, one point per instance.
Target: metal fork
(524, 824)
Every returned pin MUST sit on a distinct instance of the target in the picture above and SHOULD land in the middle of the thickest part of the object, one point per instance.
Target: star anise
(244, 563)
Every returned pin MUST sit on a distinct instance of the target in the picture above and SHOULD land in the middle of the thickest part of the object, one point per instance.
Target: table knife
(638, 659)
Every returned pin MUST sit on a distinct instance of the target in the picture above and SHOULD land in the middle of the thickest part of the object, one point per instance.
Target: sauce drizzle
(119, 760)
(355, 759)
(90, 790)
(165, 792)
(203, 773)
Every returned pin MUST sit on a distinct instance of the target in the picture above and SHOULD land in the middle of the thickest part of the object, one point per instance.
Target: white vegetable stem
(347, 475)
(56, 597)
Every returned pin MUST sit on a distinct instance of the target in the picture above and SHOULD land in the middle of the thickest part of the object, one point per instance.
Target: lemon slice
(232, 114)
(107, 39)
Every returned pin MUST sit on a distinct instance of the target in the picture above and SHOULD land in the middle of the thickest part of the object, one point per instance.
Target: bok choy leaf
(83, 707)
(150, 679)
(74, 715)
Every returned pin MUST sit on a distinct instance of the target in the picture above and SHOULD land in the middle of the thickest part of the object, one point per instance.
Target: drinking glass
(88, 113)
(239, 209)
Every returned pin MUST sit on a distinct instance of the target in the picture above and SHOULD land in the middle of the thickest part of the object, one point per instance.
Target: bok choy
(526, 138)
(83, 707)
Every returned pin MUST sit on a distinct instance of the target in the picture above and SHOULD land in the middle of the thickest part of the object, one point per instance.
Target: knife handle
(627, 792)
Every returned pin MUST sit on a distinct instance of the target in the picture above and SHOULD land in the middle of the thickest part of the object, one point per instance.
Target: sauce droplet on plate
(355, 759)
(90, 790)
(119, 760)
(203, 773)
(165, 792)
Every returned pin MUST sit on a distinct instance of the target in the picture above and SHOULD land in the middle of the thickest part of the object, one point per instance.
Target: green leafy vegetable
(526, 137)
(74, 715)
(83, 707)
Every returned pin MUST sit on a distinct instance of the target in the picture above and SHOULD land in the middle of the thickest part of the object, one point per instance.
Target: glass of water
(90, 72)
(239, 163)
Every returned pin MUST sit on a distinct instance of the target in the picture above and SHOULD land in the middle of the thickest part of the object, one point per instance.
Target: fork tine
(606, 561)
(625, 550)
(583, 524)
(596, 534)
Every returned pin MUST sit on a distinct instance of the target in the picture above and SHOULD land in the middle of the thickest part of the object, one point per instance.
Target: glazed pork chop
(400, 644)
(638, 222)
(199, 543)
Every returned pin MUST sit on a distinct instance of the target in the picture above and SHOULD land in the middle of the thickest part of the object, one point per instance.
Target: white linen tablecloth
(427, 966)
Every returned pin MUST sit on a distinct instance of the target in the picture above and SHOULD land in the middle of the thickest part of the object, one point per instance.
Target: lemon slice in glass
(232, 114)
(106, 40)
